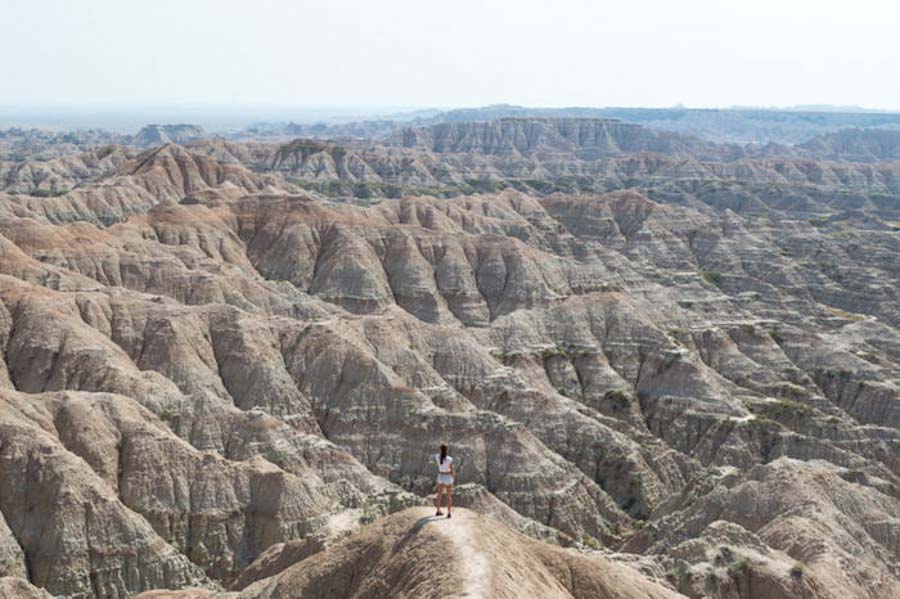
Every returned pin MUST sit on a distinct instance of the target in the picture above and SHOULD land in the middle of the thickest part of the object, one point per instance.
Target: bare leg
(437, 499)
(449, 491)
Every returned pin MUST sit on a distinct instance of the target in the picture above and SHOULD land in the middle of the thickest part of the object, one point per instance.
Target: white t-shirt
(445, 467)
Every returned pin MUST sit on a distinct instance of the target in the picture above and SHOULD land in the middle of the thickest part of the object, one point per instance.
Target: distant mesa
(155, 135)
(583, 138)
(856, 145)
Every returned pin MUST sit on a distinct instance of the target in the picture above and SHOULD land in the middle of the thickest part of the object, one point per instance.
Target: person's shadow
(420, 523)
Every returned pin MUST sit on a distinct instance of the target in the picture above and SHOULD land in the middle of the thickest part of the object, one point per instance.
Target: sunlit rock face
(215, 370)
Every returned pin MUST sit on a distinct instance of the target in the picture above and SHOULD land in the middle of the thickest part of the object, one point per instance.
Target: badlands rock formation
(857, 144)
(742, 125)
(216, 378)
(416, 554)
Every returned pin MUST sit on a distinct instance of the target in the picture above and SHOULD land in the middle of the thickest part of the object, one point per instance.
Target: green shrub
(793, 407)
(740, 567)
(677, 573)
(590, 542)
(712, 277)
(168, 416)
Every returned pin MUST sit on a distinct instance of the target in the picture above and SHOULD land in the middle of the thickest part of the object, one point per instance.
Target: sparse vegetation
(792, 407)
(617, 398)
(678, 572)
(169, 416)
(740, 567)
(485, 186)
(350, 337)
(368, 190)
(549, 352)
(844, 314)
(712, 277)
(761, 423)
(48, 193)
(543, 353)
(590, 542)
(787, 388)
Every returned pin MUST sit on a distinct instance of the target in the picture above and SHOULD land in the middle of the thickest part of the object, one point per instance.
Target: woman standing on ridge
(445, 477)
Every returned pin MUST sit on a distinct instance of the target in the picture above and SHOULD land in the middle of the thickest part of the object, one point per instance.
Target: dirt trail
(475, 567)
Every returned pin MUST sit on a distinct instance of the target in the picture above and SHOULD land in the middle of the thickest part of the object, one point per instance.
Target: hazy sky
(451, 52)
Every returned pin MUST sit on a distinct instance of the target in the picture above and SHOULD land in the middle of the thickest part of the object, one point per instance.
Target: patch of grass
(868, 357)
(370, 190)
(761, 423)
(591, 542)
(712, 277)
(819, 221)
(791, 406)
(168, 416)
(485, 186)
(549, 352)
(500, 354)
(540, 186)
(844, 314)
(740, 567)
(790, 389)
(678, 572)
(48, 193)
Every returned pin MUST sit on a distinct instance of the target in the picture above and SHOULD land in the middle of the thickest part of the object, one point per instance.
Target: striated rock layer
(211, 376)
(415, 554)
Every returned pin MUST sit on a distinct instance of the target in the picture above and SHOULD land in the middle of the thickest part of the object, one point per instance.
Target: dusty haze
(462, 53)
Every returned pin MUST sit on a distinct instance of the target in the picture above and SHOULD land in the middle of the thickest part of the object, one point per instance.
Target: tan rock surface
(209, 374)
(11, 586)
(415, 554)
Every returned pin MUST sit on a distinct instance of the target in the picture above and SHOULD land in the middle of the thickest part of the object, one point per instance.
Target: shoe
(448, 514)
(439, 513)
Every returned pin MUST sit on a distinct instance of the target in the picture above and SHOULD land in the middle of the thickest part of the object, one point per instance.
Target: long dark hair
(443, 453)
